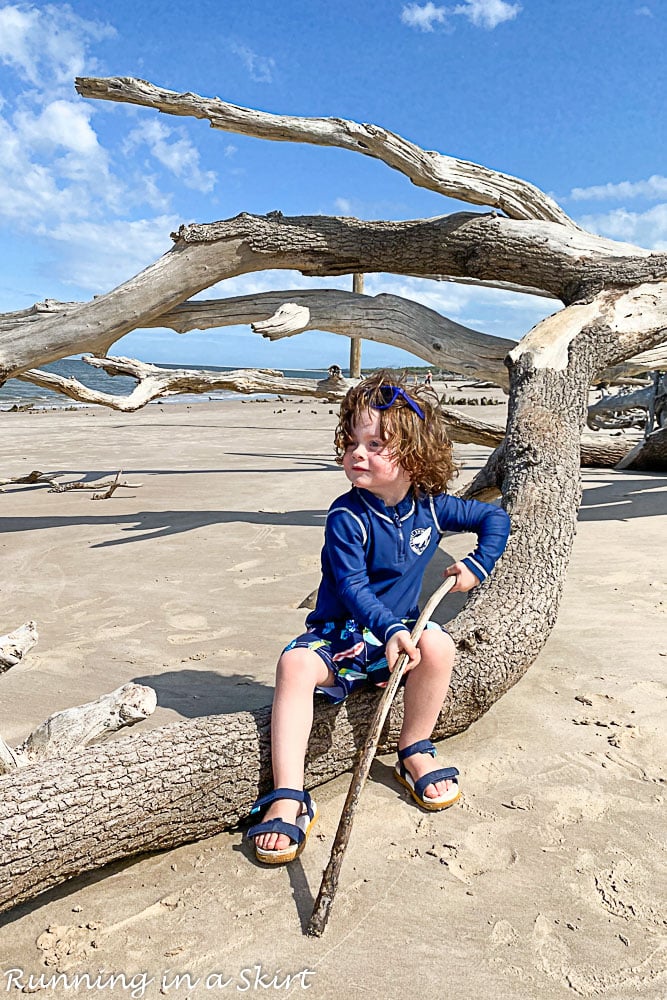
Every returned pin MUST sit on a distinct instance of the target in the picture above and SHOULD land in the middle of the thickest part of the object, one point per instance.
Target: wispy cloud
(423, 17)
(172, 148)
(644, 12)
(99, 256)
(646, 229)
(654, 187)
(488, 13)
(259, 67)
(481, 13)
(48, 43)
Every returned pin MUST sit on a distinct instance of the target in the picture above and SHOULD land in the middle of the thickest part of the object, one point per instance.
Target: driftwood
(649, 454)
(155, 383)
(68, 730)
(596, 449)
(382, 318)
(649, 399)
(199, 777)
(106, 483)
(15, 645)
(31, 479)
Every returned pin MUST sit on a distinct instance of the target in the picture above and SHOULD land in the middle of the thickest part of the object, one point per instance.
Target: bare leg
(298, 673)
(426, 687)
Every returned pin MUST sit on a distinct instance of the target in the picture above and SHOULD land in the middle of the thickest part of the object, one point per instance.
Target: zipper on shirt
(399, 531)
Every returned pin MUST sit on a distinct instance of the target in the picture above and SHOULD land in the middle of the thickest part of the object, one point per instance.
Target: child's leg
(298, 673)
(426, 687)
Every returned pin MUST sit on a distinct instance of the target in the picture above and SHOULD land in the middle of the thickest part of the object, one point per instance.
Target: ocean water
(18, 393)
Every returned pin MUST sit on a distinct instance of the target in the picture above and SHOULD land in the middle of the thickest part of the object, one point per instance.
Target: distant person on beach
(379, 538)
(428, 379)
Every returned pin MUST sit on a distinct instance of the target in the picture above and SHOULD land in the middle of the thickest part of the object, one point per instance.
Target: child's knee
(302, 667)
(437, 646)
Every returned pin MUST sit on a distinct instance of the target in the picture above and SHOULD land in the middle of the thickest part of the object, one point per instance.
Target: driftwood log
(67, 730)
(194, 778)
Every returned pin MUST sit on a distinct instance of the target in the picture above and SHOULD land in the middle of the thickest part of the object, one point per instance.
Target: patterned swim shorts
(353, 654)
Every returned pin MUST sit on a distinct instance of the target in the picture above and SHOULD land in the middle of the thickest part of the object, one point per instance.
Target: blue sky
(569, 95)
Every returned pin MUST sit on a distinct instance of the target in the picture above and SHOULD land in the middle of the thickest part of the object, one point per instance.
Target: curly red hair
(421, 447)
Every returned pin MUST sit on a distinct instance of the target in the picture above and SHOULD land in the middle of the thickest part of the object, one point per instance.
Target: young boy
(379, 538)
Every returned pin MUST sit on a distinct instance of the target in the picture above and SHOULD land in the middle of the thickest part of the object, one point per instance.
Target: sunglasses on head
(390, 393)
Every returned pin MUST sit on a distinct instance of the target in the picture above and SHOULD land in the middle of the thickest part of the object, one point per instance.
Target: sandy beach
(546, 880)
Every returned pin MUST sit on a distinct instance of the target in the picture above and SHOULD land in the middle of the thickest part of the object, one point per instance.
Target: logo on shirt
(419, 539)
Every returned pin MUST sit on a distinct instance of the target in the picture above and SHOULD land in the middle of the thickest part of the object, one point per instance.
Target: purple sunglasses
(390, 393)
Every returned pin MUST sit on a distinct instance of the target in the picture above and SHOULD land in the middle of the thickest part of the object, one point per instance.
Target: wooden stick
(325, 897)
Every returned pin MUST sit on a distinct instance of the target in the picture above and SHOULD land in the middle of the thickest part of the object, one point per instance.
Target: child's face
(368, 463)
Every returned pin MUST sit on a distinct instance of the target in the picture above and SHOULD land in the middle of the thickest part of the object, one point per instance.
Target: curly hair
(421, 447)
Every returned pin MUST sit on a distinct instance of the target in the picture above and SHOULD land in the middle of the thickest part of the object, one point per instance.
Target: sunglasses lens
(389, 394)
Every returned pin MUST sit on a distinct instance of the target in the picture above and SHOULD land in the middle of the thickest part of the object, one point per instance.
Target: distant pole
(355, 342)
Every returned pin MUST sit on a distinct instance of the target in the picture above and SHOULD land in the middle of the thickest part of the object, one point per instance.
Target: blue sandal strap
(298, 794)
(442, 774)
(277, 825)
(421, 746)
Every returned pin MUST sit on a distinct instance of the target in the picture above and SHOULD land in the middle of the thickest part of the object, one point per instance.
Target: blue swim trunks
(353, 654)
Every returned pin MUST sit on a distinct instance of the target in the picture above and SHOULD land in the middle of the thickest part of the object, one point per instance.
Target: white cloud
(343, 205)
(654, 187)
(482, 13)
(259, 67)
(174, 151)
(644, 12)
(60, 123)
(47, 44)
(423, 17)
(488, 13)
(98, 256)
(645, 229)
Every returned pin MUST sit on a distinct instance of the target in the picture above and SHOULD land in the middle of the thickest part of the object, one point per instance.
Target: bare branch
(75, 727)
(15, 645)
(563, 261)
(446, 175)
(622, 321)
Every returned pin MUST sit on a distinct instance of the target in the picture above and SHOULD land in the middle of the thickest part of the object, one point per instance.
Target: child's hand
(465, 578)
(400, 642)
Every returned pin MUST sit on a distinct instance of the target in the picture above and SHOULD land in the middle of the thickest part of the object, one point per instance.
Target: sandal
(297, 832)
(417, 788)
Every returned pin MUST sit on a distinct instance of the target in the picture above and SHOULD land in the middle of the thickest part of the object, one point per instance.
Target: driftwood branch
(649, 454)
(383, 318)
(15, 645)
(565, 262)
(596, 449)
(66, 731)
(109, 483)
(155, 383)
(31, 479)
(649, 398)
(469, 182)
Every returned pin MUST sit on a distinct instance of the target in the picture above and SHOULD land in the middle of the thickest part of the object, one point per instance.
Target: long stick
(325, 897)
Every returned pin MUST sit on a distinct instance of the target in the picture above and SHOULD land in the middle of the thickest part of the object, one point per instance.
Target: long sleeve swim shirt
(374, 556)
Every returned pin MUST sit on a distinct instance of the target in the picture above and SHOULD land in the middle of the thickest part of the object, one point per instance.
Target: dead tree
(194, 778)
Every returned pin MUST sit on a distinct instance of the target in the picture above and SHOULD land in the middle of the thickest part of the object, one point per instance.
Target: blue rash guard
(374, 556)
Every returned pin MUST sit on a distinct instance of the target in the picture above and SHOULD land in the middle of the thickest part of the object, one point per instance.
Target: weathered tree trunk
(596, 449)
(649, 454)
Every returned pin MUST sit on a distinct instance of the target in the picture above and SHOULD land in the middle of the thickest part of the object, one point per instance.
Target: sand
(546, 880)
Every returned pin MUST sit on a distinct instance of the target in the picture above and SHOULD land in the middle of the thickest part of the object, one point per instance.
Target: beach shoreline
(545, 880)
